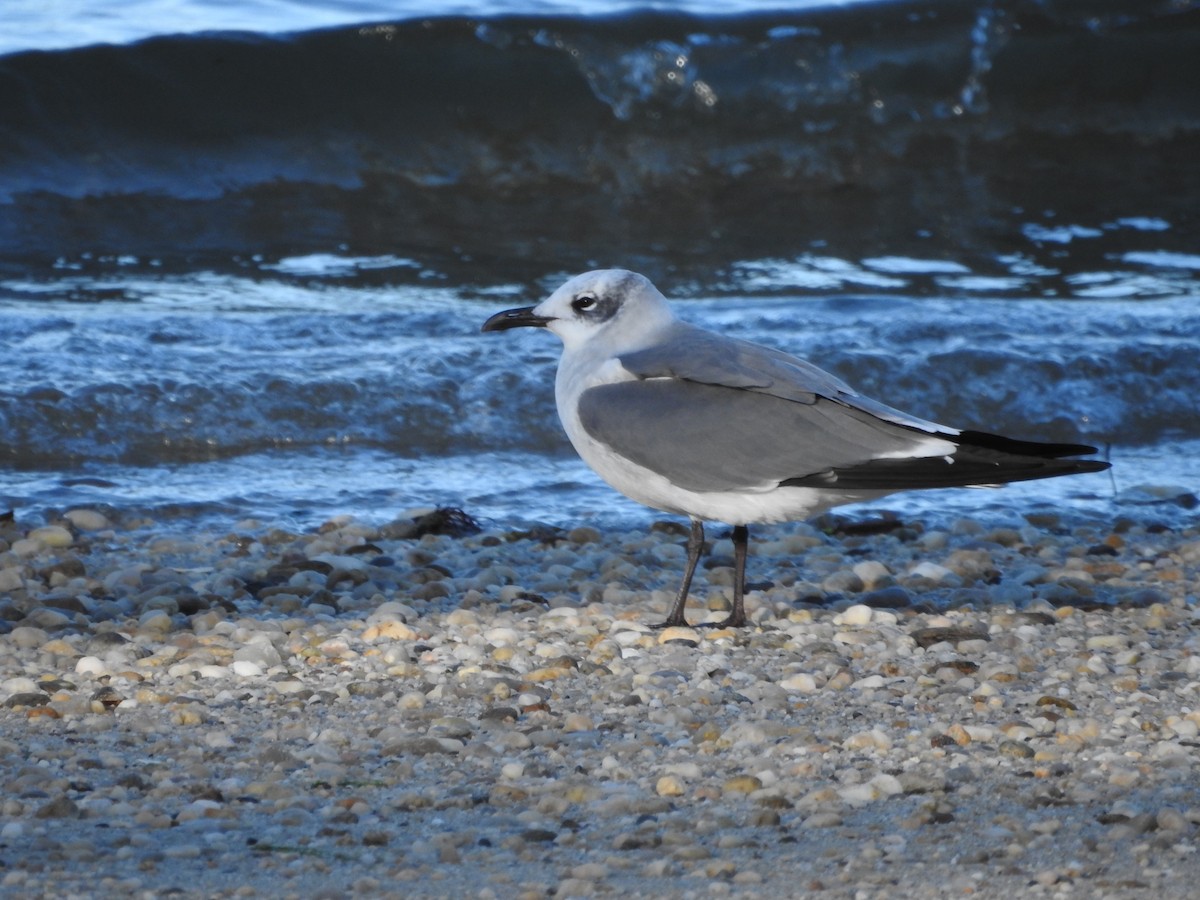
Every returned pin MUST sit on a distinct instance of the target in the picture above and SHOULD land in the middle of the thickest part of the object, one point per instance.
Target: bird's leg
(694, 545)
(741, 537)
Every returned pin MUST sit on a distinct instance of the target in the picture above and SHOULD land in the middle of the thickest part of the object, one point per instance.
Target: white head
(620, 308)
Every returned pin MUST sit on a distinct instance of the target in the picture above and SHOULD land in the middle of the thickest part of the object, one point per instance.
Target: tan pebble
(507, 793)
(580, 793)
(27, 637)
(958, 734)
(859, 794)
(584, 535)
(52, 536)
(411, 700)
(59, 647)
(460, 617)
(840, 681)
(823, 820)
(1122, 777)
(86, 519)
(11, 579)
(691, 852)
(577, 722)
(801, 683)
(1170, 819)
(189, 715)
(546, 674)
(720, 868)
(669, 786)
(1058, 702)
(1019, 749)
(688, 636)
(742, 784)
(868, 740)
(590, 871)
(504, 654)
(391, 630)
(48, 712)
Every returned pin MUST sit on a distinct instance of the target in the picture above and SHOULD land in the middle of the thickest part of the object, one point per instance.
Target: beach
(304, 592)
(419, 708)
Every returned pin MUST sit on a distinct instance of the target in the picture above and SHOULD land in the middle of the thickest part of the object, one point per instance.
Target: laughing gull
(714, 428)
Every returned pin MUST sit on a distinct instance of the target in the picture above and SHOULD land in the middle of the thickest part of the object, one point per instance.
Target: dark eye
(583, 302)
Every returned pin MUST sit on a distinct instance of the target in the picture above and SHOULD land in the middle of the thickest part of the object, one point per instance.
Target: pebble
(904, 706)
(87, 519)
(856, 615)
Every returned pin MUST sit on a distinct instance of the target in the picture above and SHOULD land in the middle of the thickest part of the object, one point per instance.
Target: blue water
(61, 24)
(242, 274)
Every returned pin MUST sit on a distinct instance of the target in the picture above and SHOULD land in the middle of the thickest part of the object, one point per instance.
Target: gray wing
(693, 354)
(706, 437)
(716, 414)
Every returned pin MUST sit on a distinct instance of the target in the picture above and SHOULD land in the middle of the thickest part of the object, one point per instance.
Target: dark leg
(737, 618)
(694, 545)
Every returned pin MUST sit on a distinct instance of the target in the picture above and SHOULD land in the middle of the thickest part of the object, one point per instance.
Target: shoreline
(361, 710)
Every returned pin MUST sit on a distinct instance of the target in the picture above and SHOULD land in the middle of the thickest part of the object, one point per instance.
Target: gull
(714, 428)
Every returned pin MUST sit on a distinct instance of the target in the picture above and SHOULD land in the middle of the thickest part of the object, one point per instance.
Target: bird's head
(619, 307)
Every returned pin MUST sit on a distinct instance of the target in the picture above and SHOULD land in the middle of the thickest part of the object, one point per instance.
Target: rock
(12, 579)
(689, 637)
(927, 637)
(859, 614)
(27, 637)
(52, 536)
(892, 597)
(669, 786)
(872, 573)
(61, 807)
(86, 519)
(868, 740)
(801, 683)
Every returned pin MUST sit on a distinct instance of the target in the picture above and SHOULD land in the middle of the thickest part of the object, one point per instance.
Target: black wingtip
(1001, 444)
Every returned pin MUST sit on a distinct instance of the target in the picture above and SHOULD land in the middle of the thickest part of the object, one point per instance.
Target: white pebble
(801, 683)
(246, 668)
(90, 665)
(411, 700)
(854, 615)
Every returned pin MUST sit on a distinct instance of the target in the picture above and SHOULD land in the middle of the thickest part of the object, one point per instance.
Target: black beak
(515, 318)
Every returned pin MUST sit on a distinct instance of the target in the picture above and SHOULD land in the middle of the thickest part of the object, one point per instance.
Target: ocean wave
(559, 141)
(136, 385)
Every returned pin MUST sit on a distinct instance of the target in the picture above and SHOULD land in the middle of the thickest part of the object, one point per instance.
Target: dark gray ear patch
(600, 307)
(606, 307)
(597, 308)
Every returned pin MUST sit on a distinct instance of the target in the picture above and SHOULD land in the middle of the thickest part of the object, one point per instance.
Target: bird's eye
(583, 302)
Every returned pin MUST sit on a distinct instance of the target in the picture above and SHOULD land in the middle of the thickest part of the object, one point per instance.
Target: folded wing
(715, 414)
